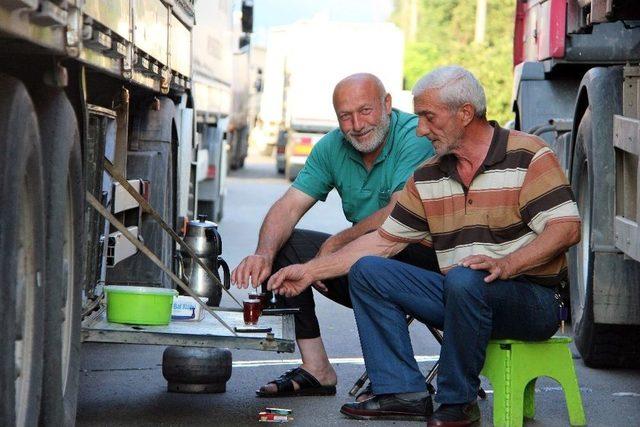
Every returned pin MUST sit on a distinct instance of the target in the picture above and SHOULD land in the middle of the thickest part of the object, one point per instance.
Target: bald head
(361, 82)
(363, 108)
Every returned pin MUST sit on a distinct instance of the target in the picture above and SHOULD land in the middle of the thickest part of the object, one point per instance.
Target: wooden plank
(626, 236)
(626, 134)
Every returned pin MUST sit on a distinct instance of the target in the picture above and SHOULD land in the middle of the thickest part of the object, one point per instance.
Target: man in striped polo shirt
(499, 212)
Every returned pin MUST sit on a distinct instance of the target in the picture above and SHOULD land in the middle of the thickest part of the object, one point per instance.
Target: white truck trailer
(304, 62)
(220, 81)
(84, 86)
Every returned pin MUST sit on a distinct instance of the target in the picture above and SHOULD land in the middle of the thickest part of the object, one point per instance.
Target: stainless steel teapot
(203, 237)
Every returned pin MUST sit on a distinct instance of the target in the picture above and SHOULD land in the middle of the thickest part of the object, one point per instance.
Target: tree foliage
(445, 36)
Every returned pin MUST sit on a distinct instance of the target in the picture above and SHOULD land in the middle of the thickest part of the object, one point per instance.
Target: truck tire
(600, 345)
(64, 201)
(22, 257)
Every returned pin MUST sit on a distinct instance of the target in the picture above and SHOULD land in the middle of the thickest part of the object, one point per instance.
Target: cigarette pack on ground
(268, 417)
(187, 309)
(279, 411)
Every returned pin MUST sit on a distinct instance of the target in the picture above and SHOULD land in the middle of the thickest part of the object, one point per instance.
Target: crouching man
(500, 215)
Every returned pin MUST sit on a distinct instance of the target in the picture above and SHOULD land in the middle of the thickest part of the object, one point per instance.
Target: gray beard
(378, 136)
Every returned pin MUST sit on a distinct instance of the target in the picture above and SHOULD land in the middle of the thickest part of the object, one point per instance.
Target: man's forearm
(339, 263)
(367, 225)
(554, 240)
(275, 230)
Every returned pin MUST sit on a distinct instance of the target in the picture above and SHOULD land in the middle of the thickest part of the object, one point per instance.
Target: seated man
(500, 214)
(367, 160)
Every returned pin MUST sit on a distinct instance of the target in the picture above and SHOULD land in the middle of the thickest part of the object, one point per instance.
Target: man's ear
(387, 103)
(466, 113)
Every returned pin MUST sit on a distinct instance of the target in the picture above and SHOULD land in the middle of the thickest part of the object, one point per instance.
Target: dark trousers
(469, 311)
(302, 246)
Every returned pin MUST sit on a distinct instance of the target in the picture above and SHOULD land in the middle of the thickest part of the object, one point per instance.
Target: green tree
(445, 36)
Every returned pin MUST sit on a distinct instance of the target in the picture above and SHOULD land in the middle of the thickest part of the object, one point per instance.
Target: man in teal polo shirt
(367, 160)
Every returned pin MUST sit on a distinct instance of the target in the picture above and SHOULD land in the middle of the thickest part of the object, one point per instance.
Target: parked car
(298, 148)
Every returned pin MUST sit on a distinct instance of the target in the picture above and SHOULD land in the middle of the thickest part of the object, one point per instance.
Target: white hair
(456, 86)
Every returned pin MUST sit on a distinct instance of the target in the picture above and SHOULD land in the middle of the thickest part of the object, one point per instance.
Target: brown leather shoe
(455, 415)
(389, 407)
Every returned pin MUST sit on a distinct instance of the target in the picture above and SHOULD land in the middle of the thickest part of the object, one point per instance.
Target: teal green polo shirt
(334, 163)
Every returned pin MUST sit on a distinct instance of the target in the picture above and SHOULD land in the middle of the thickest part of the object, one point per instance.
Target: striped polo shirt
(518, 190)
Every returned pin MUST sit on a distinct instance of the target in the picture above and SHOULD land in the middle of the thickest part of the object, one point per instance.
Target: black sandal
(309, 385)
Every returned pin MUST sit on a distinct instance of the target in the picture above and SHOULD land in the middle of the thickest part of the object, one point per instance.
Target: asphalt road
(122, 385)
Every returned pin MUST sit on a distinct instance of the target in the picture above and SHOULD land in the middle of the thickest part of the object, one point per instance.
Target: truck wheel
(64, 201)
(22, 257)
(600, 345)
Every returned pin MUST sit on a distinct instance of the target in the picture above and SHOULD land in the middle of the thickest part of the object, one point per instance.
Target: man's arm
(555, 239)
(367, 225)
(274, 232)
(292, 280)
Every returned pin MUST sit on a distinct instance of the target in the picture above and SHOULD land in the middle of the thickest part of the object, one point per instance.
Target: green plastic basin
(139, 305)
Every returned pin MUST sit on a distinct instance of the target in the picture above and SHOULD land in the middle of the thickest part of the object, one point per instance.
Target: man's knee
(373, 273)
(360, 271)
(299, 248)
(461, 282)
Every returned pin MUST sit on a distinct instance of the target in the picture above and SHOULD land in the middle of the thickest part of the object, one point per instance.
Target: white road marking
(334, 360)
(626, 394)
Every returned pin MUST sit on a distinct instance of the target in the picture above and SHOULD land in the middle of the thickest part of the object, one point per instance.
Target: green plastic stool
(513, 366)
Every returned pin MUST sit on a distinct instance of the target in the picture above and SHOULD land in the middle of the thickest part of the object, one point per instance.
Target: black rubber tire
(600, 345)
(196, 365)
(64, 199)
(20, 163)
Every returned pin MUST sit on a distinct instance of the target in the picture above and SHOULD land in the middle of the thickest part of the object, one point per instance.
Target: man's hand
(497, 267)
(290, 281)
(256, 267)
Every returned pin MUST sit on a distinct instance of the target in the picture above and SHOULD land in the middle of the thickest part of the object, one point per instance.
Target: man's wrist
(310, 274)
(508, 266)
(265, 254)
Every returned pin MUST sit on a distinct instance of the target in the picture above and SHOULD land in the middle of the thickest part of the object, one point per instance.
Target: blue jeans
(467, 309)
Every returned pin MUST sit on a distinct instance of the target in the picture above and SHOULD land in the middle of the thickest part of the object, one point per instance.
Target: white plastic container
(186, 309)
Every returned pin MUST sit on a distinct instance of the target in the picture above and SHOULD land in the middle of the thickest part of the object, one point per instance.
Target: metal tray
(205, 333)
